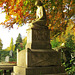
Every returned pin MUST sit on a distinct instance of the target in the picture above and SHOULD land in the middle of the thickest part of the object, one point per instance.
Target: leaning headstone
(7, 59)
(11, 53)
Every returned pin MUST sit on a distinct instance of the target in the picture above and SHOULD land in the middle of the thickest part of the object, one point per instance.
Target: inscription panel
(41, 35)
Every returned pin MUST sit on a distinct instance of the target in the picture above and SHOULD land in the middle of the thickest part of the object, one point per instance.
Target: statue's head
(38, 3)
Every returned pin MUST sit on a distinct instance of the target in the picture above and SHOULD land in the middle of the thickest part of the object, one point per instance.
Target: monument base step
(52, 70)
(45, 70)
(45, 74)
(57, 74)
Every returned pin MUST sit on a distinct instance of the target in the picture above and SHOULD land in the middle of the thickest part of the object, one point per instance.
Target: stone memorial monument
(7, 59)
(11, 53)
(38, 58)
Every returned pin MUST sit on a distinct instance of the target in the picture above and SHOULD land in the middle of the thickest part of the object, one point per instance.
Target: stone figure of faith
(40, 20)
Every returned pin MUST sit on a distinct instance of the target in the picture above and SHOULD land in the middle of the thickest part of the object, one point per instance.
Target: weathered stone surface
(21, 59)
(39, 57)
(7, 59)
(44, 70)
(38, 39)
(18, 70)
(11, 53)
(41, 19)
(57, 74)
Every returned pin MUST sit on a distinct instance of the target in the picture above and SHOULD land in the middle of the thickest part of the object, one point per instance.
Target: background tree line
(20, 44)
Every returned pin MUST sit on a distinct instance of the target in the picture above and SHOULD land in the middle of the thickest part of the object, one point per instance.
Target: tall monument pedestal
(38, 38)
(38, 58)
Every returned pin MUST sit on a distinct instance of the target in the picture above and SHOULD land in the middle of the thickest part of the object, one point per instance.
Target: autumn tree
(60, 15)
(59, 12)
(19, 43)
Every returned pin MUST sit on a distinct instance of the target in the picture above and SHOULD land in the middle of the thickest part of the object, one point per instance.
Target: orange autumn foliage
(22, 11)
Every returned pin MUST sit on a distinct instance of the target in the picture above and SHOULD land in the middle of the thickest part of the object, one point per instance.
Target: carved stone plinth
(40, 61)
(52, 70)
(38, 38)
(43, 58)
(45, 70)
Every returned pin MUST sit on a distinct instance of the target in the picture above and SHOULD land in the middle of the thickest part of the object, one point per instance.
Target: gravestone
(7, 59)
(38, 58)
(11, 53)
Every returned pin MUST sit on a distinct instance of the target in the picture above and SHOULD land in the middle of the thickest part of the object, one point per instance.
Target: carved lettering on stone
(40, 35)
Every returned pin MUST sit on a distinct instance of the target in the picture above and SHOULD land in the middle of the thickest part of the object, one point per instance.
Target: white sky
(6, 34)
